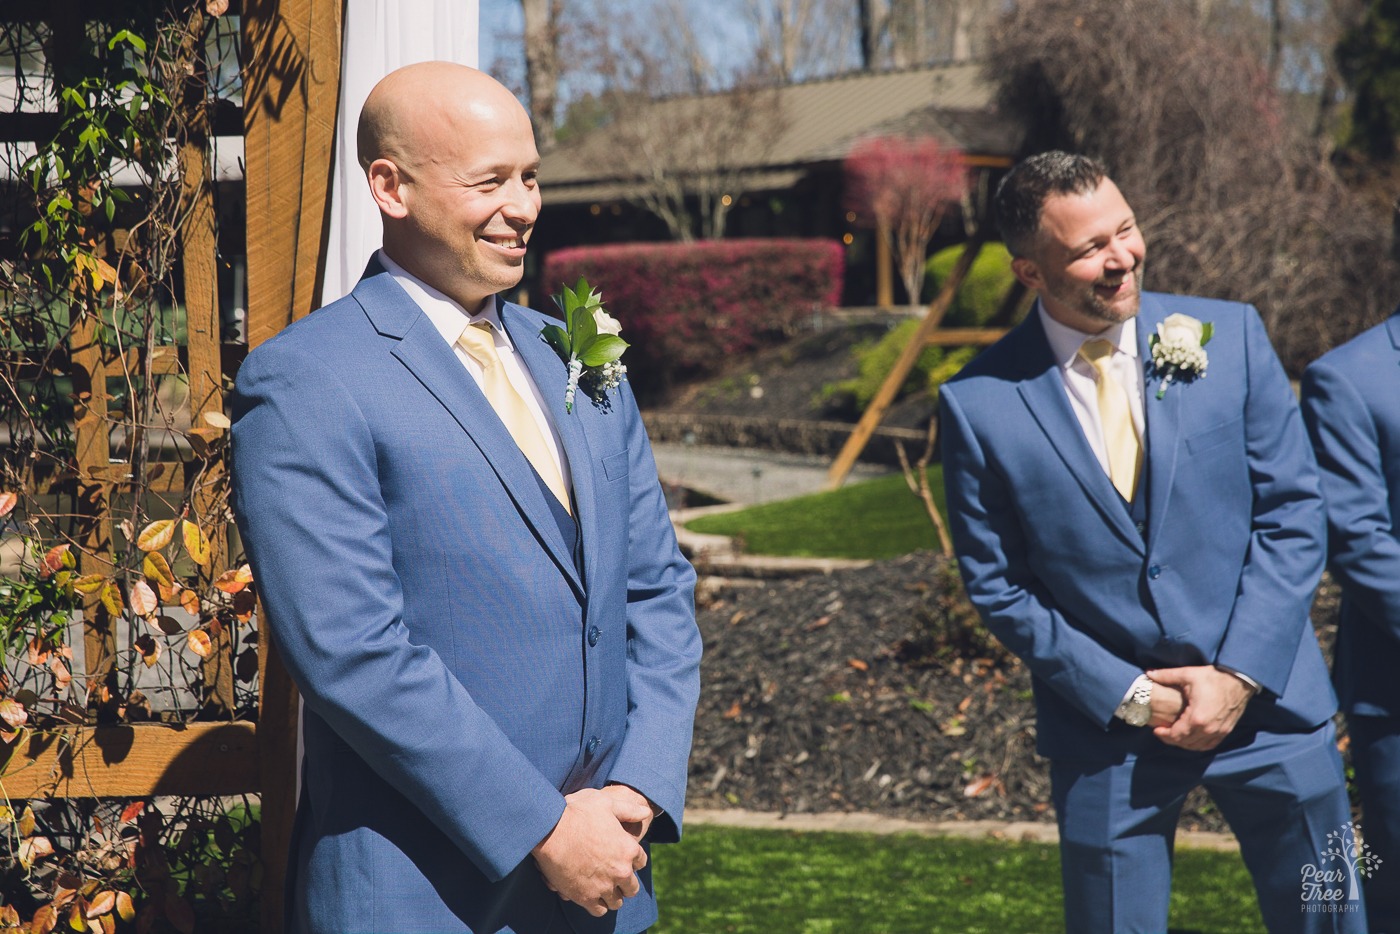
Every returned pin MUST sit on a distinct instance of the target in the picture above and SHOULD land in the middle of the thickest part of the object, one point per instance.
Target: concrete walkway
(742, 475)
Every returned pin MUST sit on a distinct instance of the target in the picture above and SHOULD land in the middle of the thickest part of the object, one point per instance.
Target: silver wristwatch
(1136, 709)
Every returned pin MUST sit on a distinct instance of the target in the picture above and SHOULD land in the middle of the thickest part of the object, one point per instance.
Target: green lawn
(875, 519)
(722, 880)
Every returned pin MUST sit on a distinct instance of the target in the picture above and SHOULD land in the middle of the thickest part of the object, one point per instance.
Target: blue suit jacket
(460, 674)
(1351, 403)
(1223, 571)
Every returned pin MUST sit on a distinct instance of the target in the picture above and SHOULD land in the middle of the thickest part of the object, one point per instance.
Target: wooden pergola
(291, 85)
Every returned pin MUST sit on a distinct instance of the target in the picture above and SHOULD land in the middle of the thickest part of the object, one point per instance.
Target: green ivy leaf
(1207, 331)
(605, 348)
(582, 328)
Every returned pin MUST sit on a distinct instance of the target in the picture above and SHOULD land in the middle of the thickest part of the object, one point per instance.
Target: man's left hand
(1215, 701)
(630, 798)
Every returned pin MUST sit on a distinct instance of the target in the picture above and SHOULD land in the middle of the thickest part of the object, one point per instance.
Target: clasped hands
(1196, 707)
(592, 855)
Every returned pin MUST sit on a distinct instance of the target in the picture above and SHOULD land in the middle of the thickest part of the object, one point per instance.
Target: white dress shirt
(1080, 383)
(451, 320)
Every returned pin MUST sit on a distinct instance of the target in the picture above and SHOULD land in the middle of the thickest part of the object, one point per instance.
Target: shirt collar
(1065, 341)
(446, 314)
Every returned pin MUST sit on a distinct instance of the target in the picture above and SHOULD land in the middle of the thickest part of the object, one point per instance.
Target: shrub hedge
(687, 307)
(981, 293)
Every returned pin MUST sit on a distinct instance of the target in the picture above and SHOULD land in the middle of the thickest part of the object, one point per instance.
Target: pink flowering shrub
(687, 307)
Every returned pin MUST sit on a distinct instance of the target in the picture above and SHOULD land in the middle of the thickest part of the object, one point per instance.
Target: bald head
(450, 157)
(410, 102)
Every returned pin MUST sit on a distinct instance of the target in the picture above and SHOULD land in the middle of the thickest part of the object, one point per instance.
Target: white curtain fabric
(381, 35)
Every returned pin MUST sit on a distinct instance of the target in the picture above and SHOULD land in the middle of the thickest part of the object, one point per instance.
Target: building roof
(815, 122)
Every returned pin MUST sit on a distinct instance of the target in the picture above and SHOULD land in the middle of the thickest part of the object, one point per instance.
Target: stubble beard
(1096, 308)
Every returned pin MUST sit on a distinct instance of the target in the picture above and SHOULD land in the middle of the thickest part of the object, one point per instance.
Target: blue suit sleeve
(1364, 545)
(309, 505)
(1285, 555)
(663, 654)
(1002, 586)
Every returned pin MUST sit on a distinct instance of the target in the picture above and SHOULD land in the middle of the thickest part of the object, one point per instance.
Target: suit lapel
(422, 350)
(1043, 390)
(550, 376)
(1163, 422)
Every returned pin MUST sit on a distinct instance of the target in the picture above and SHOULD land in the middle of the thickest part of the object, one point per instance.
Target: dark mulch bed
(870, 690)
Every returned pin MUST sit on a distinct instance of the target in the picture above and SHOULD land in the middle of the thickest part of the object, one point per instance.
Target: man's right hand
(588, 858)
(1167, 704)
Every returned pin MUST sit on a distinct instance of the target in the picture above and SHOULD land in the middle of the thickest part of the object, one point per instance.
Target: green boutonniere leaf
(1207, 330)
(605, 348)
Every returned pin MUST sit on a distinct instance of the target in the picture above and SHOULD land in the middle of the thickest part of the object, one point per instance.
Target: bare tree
(799, 39)
(686, 133)
(542, 27)
(1233, 203)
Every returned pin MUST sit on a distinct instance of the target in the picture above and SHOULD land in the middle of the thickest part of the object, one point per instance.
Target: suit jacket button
(593, 633)
(1154, 572)
(593, 745)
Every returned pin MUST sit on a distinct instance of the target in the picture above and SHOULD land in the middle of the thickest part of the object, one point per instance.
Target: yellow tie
(478, 341)
(1119, 435)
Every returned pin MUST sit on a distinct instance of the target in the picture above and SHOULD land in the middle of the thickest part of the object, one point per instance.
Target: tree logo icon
(1346, 860)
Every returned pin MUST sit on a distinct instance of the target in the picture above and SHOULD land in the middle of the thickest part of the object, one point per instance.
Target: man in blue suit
(1351, 404)
(482, 602)
(1147, 539)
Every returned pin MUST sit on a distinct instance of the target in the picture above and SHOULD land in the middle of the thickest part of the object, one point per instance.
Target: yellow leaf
(189, 600)
(7, 814)
(217, 420)
(157, 535)
(125, 909)
(112, 598)
(244, 575)
(7, 503)
(55, 560)
(26, 821)
(195, 543)
(157, 570)
(143, 599)
(89, 583)
(200, 643)
(76, 921)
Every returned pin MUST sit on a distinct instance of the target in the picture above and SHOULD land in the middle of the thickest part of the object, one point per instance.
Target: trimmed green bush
(983, 290)
(875, 360)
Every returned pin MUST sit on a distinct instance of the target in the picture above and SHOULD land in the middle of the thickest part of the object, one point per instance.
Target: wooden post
(884, 269)
(875, 412)
(291, 92)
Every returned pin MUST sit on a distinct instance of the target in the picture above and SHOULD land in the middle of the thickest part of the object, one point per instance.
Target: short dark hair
(1023, 192)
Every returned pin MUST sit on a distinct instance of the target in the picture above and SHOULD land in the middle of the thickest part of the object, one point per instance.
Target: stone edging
(722, 556)
(787, 435)
(862, 822)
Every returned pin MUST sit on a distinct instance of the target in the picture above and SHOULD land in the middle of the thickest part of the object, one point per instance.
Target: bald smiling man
(497, 648)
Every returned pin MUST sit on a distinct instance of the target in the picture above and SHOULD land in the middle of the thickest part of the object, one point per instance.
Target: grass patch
(874, 519)
(723, 880)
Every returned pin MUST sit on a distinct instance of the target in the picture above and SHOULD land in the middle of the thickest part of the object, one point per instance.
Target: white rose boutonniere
(588, 344)
(1179, 350)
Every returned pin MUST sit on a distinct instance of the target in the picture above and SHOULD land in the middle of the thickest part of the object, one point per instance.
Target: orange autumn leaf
(8, 501)
(244, 575)
(132, 811)
(157, 570)
(978, 785)
(200, 643)
(101, 903)
(166, 625)
(244, 604)
(125, 909)
(195, 543)
(38, 651)
(157, 535)
(733, 712)
(13, 713)
(62, 677)
(112, 598)
(189, 601)
(56, 559)
(44, 920)
(858, 664)
(149, 649)
(143, 599)
(229, 583)
(33, 849)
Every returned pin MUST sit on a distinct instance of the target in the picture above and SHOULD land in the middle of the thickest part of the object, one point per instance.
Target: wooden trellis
(291, 55)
